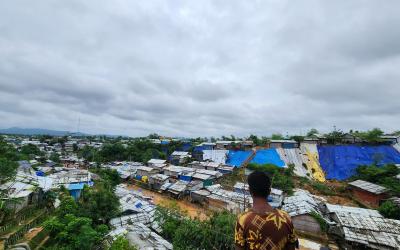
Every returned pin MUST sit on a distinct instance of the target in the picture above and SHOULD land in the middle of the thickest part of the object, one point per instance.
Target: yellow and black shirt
(272, 230)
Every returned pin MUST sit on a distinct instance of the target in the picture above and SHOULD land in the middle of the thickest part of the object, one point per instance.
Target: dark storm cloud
(199, 68)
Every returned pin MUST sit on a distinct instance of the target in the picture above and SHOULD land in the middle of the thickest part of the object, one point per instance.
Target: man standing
(263, 227)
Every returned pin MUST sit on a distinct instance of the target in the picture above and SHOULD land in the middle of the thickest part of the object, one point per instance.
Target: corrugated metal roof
(375, 232)
(368, 186)
(156, 161)
(352, 210)
(302, 202)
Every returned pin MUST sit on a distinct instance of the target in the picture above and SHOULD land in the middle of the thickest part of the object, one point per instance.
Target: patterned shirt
(273, 230)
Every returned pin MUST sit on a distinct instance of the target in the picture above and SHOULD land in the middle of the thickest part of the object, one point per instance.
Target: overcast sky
(200, 68)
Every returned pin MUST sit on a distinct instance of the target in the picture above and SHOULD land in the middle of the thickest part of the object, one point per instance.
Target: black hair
(259, 184)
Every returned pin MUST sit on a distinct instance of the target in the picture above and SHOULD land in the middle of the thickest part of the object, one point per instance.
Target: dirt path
(32, 233)
(191, 209)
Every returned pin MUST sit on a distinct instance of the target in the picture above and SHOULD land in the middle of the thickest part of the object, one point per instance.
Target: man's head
(259, 184)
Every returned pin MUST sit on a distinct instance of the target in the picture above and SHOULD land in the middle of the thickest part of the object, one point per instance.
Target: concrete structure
(368, 193)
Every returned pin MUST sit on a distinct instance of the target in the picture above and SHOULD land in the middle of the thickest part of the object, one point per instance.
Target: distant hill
(37, 131)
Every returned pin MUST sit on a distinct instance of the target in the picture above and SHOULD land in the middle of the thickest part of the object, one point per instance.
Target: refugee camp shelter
(368, 193)
(75, 190)
(301, 207)
(217, 156)
(283, 144)
(157, 163)
(179, 157)
(359, 228)
(146, 171)
(157, 180)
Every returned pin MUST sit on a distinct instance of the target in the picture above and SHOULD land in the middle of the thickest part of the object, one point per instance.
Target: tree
(382, 175)
(112, 152)
(185, 233)
(153, 136)
(72, 232)
(30, 150)
(371, 136)
(75, 147)
(390, 210)
(298, 138)
(335, 136)
(55, 157)
(277, 137)
(111, 176)
(8, 169)
(312, 132)
(88, 153)
(282, 178)
(99, 203)
(255, 140)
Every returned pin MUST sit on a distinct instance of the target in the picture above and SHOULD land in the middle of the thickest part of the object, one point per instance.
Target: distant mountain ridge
(38, 131)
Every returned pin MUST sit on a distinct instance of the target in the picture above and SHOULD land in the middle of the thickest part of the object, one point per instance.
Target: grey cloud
(199, 68)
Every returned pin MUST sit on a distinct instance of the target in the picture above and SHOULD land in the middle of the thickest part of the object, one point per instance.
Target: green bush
(382, 175)
(390, 210)
(282, 178)
(121, 243)
(214, 233)
(322, 188)
(322, 223)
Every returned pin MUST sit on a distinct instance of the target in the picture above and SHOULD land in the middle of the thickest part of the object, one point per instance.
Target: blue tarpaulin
(237, 158)
(268, 156)
(40, 173)
(340, 162)
(76, 186)
(185, 178)
(75, 189)
(186, 146)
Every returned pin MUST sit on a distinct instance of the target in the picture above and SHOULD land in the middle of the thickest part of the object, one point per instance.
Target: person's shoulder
(283, 214)
(243, 217)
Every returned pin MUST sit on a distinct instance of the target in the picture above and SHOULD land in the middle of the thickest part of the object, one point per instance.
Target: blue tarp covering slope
(340, 162)
(268, 156)
(237, 158)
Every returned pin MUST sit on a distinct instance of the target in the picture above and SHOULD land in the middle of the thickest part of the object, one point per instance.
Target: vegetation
(277, 137)
(99, 203)
(322, 188)
(55, 157)
(371, 136)
(28, 151)
(138, 150)
(390, 210)
(282, 178)
(312, 132)
(335, 136)
(82, 224)
(214, 233)
(8, 169)
(111, 176)
(322, 223)
(383, 175)
(121, 243)
(258, 141)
